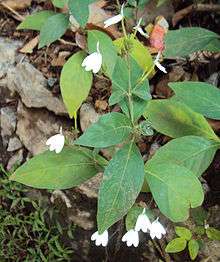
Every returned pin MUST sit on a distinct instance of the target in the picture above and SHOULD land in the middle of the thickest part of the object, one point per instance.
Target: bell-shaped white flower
(157, 229)
(139, 29)
(158, 64)
(100, 239)
(131, 237)
(115, 19)
(56, 142)
(93, 62)
(143, 222)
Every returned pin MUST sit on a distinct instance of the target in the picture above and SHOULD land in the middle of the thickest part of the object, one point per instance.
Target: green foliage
(183, 233)
(174, 197)
(132, 216)
(29, 231)
(193, 152)
(201, 97)
(213, 233)
(36, 20)
(59, 3)
(175, 119)
(48, 170)
(54, 27)
(75, 80)
(185, 41)
(176, 245)
(111, 129)
(193, 247)
(120, 186)
(80, 10)
(107, 49)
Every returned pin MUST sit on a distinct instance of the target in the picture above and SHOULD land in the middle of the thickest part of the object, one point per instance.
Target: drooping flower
(115, 19)
(56, 142)
(143, 222)
(100, 239)
(93, 62)
(158, 64)
(131, 238)
(139, 28)
(157, 230)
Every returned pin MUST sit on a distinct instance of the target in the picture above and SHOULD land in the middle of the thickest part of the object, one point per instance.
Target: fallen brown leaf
(29, 47)
(16, 4)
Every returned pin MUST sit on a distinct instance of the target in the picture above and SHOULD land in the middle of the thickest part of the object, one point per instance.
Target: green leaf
(183, 232)
(53, 29)
(75, 83)
(193, 247)
(213, 46)
(107, 49)
(132, 216)
(199, 216)
(213, 233)
(176, 245)
(185, 41)
(175, 189)
(122, 182)
(80, 10)
(111, 129)
(36, 20)
(175, 119)
(137, 50)
(193, 152)
(59, 3)
(201, 97)
(49, 170)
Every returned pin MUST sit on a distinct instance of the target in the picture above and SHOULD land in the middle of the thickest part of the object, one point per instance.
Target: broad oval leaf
(213, 233)
(53, 29)
(36, 20)
(49, 170)
(193, 152)
(111, 129)
(201, 97)
(193, 247)
(183, 232)
(175, 189)
(122, 182)
(176, 119)
(176, 245)
(75, 83)
(107, 49)
(185, 41)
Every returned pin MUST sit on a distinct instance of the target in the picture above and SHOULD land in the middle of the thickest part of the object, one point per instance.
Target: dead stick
(19, 17)
(195, 7)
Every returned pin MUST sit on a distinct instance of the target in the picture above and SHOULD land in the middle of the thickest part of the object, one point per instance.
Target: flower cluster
(131, 237)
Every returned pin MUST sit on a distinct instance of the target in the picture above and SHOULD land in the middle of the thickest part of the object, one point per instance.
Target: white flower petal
(93, 62)
(131, 238)
(160, 67)
(157, 230)
(113, 20)
(143, 222)
(100, 239)
(56, 143)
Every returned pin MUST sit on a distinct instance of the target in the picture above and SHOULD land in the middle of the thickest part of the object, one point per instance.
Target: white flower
(157, 63)
(115, 19)
(143, 223)
(131, 237)
(100, 239)
(93, 62)
(157, 230)
(56, 142)
(139, 29)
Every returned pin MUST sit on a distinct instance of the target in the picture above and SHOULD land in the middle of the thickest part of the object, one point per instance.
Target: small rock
(30, 84)
(14, 144)
(35, 126)
(91, 187)
(15, 160)
(88, 116)
(8, 123)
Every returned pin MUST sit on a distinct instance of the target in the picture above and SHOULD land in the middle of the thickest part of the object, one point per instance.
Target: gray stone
(8, 123)
(8, 49)
(14, 144)
(35, 126)
(30, 84)
(88, 116)
(15, 160)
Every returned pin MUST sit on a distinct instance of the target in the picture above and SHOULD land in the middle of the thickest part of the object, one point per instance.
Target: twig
(18, 16)
(67, 42)
(194, 7)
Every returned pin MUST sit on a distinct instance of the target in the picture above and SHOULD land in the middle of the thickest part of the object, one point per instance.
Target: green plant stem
(130, 104)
